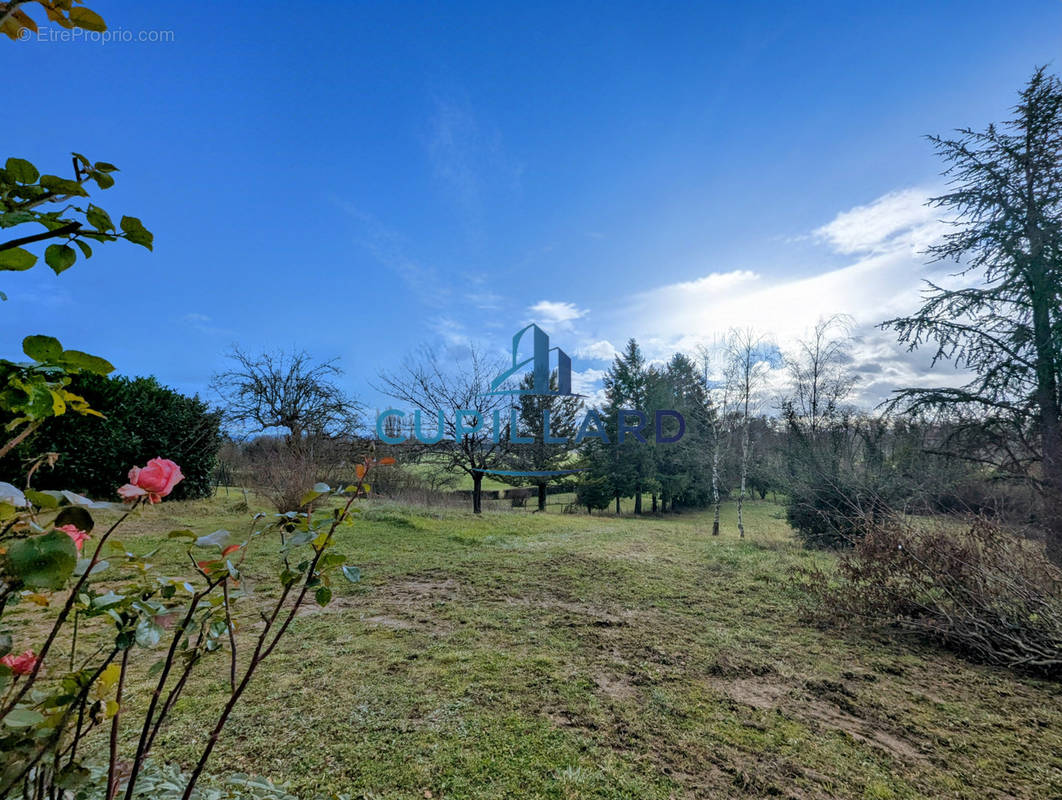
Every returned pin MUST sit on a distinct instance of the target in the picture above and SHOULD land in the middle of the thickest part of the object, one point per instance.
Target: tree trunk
(638, 501)
(617, 505)
(477, 492)
(744, 478)
(542, 497)
(715, 481)
(1046, 389)
(654, 502)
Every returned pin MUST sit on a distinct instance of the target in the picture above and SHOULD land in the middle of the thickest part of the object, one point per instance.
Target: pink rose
(79, 536)
(154, 481)
(22, 664)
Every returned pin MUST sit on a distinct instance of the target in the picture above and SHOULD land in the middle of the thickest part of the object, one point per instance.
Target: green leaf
(42, 348)
(43, 562)
(98, 218)
(41, 500)
(79, 500)
(83, 565)
(86, 251)
(62, 186)
(148, 633)
(135, 232)
(309, 497)
(301, 538)
(21, 170)
(103, 180)
(352, 574)
(105, 166)
(86, 362)
(16, 259)
(9, 219)
(23, 718)
(329, 561)
(107, 600)
(60, 257)
(323, 595)
(182, 534)
(87, 18)
(219, 539)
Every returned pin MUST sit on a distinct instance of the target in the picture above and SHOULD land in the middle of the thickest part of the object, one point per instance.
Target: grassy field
(517, 655)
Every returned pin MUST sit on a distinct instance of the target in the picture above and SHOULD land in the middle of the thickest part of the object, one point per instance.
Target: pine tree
(626, 388)
(539, 455)
(1006, 195)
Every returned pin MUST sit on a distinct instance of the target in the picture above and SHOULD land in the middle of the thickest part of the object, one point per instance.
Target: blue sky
(356, 179)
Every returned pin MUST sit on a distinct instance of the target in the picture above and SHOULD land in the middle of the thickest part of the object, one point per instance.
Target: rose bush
(56, 693)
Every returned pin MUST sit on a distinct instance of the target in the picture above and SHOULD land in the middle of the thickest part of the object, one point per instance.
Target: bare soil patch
(773, 693)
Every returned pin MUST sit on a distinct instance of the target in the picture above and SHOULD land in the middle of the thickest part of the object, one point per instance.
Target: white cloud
(391, 249)
(884, 281)
(558, 314)
(449, 330)
(898, 219)
(601, 350)
(588, 383)
(204, 324)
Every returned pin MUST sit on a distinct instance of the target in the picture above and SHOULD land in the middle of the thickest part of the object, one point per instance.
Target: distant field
(556, 503)
(518, 655)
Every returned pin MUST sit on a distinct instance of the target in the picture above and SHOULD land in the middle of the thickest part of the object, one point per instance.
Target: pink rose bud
(154, 481)
(22, 664)
(79, 536)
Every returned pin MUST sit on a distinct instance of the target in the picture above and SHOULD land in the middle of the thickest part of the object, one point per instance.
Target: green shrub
(831, 513)
(594, 493)
(142, 420)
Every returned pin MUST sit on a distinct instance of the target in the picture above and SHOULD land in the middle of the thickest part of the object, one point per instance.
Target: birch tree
(820, 373)
(747, 368)
(720, 424)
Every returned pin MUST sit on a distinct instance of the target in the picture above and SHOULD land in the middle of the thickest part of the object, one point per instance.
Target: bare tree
(747, 367)
(720, 424)
(469, 442)
(821, 378)
(287, 392)
(310, 421)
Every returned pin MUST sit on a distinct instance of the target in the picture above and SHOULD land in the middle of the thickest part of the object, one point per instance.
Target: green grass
(566, 656)
(457, 481)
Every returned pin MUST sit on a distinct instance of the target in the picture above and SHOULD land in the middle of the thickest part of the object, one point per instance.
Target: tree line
(994, 443)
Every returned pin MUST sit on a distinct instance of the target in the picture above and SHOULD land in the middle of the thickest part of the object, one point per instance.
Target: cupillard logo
(540, 370)
(630, 425)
